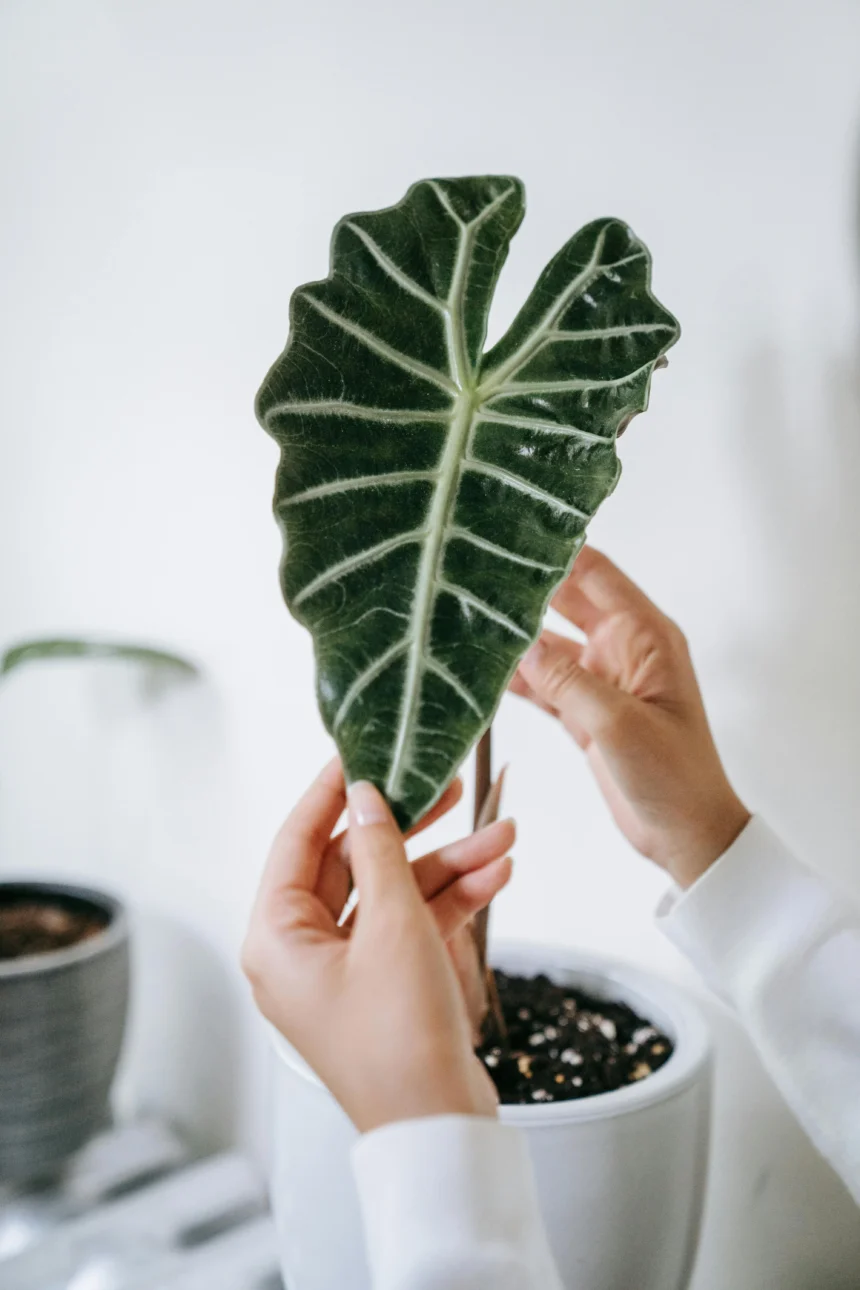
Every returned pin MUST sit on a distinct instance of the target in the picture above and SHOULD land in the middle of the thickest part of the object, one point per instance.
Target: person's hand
(630, 698)
(374, 1006)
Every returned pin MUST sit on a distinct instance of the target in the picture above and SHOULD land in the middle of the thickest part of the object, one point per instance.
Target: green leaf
(62, 648)
(432, 497)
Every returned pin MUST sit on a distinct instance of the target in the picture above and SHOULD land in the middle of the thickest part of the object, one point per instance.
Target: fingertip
(448, 800)
(449, 796)
(534, 656)
(534, 665)
(367, 806)
(478, 849)
(454, 907)
(505, 869)
(505, 833)
(484, 883)
(331, 774)
(496, 876)
(587, 556)
(590, 560)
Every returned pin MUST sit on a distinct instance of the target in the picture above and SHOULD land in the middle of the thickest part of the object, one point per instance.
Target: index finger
(298, 849)
(595, 589)
(335, 879)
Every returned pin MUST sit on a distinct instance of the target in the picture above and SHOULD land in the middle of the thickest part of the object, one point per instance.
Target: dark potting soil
(28, 926)
(564, 1044)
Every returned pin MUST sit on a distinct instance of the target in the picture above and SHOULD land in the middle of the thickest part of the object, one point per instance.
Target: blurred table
(136, 1211)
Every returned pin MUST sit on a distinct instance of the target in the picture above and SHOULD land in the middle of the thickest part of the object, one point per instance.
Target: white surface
(170, 172)
(204, 1225)
(632, 1161)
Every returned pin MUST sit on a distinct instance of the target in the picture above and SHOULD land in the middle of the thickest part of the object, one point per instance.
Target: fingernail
(534, 656)
(366, 804)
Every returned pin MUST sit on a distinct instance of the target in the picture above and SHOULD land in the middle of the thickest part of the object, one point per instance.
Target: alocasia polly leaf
(431, 496)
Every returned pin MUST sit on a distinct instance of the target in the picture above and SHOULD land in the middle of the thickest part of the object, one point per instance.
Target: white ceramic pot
(621, 1175)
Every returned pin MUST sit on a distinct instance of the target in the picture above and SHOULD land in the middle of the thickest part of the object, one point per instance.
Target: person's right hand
(373, 1002)
(630, 698)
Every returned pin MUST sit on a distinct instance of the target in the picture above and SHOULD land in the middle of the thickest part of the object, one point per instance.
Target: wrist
(377, 1115)
(471, 1093)
(716, 830)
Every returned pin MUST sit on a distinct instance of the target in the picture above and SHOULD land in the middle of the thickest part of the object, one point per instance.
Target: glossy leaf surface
(432, 496)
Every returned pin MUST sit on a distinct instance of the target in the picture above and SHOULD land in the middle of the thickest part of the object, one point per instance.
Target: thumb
(377, 854)
(585, 703)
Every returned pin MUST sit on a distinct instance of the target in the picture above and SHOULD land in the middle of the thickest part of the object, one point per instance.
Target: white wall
(170, 171)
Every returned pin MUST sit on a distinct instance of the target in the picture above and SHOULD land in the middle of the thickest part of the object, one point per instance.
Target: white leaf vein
(469, 598)
(420, 774)
(492, 548)
(535, 338)
(395, 272)
(444, 674)
(541, 427)
(516, 481)
(370, 673)
(575, 384)
(445, 202)
(610, 333)
(357, 561)
(373, 342)
(490, 209)
(336, 486)
(362, 412)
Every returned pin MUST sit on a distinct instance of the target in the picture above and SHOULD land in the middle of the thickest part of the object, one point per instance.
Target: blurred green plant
(39, 651)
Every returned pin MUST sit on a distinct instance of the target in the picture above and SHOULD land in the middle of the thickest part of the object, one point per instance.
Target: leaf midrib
(438, 520)
(427, 582)
(472, 395)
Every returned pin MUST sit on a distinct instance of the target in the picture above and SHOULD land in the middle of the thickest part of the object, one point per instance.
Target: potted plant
(64, 972)
(431, 498)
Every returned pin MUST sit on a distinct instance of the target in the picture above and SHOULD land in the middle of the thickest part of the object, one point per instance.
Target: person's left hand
(374, 1006)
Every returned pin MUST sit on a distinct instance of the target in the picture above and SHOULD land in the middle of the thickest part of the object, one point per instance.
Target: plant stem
(483, 784)
(485, 811)
(483, 773)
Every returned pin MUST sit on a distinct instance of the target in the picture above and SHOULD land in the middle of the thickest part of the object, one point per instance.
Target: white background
(170, 171)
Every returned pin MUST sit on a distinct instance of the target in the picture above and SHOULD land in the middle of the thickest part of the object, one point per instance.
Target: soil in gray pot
(31, 926)
(564, 1044)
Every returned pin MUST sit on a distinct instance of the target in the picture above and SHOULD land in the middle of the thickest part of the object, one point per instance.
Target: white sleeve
(449, 1203)
(784, 950)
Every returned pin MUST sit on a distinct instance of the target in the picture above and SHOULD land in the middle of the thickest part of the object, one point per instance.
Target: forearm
(449, 1203)
(784, 951)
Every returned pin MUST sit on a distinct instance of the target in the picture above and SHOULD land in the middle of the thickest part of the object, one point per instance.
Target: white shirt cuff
(784, 949)
(753, 908)
(450, 1201)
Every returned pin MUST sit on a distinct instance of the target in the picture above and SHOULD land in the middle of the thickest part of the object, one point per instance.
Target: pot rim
(114, 932)
(662, 1002)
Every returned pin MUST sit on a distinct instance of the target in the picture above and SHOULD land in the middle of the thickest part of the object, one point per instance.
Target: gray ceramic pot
(62, 1016)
